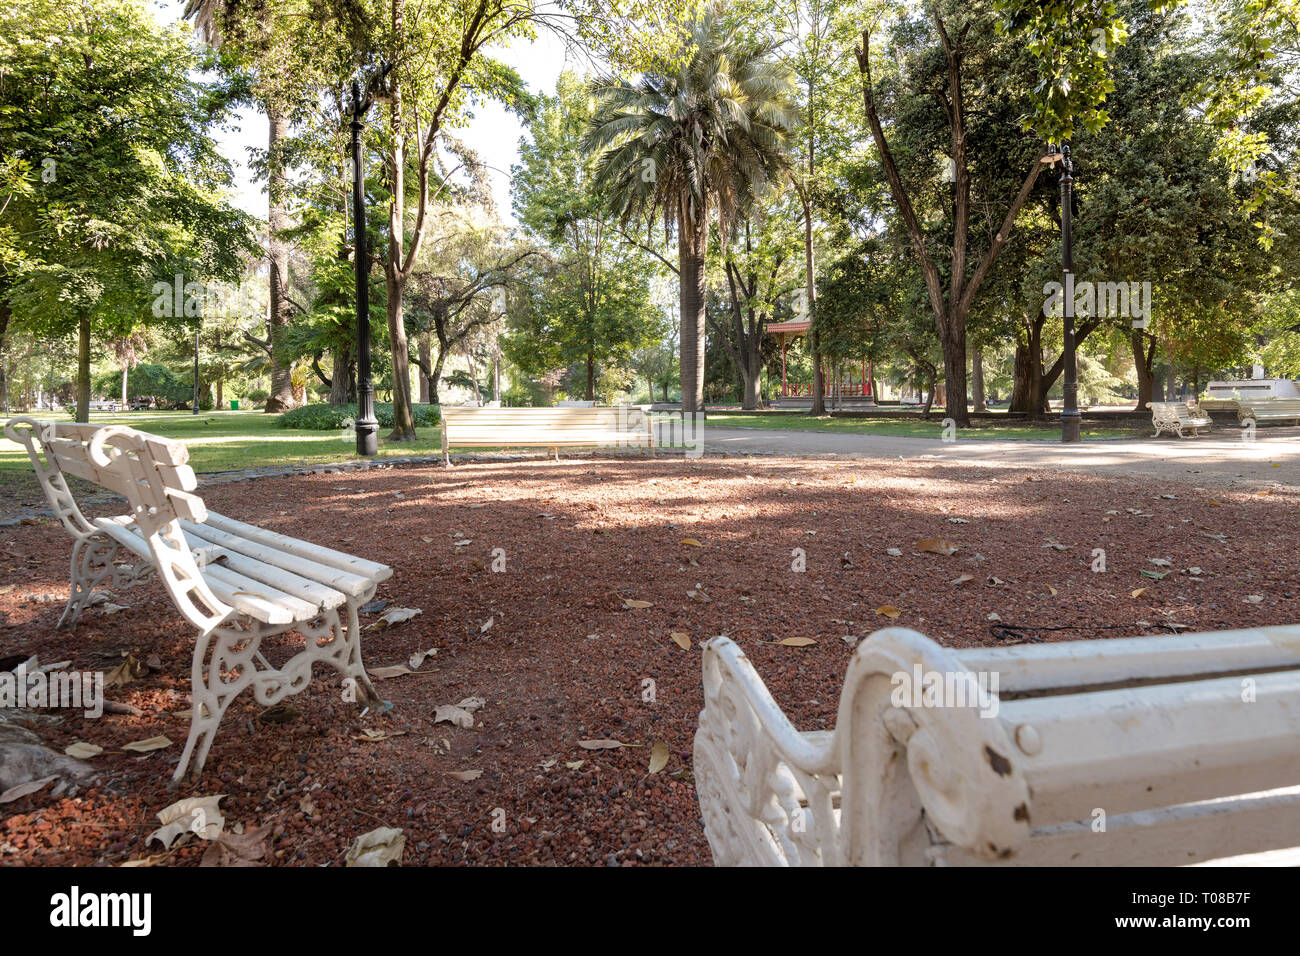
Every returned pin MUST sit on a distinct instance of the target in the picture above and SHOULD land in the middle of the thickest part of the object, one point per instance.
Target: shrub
(336, 417)
(257, 396)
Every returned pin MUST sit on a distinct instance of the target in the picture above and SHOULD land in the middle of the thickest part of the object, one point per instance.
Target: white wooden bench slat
(260, 598)
(1168, 836)
(244, 594)
(317, 595)
(333, 578)
(1070, 664)
(304, 549)
(235, 582)
(1138, 746)
(1158, 734)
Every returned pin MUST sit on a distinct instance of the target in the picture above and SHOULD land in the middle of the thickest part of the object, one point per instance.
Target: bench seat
(1269, 409)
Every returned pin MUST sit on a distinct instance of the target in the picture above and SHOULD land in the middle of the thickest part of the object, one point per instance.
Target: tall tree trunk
(954, 369)
(281, 397)
(591, 376)
(1142, 361)
(83, 369)
(436, 377)
(394, 276)
(1171, 382)
(692, 246)
(751, 372)
(977, 379)
(343, 383)
(425, 346)
(6, 313)
(124, 371)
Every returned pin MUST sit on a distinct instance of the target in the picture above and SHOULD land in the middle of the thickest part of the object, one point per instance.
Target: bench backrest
(1287, 406)
(1170, 410)
(150, 471)
(1140, 733)
(547, 427)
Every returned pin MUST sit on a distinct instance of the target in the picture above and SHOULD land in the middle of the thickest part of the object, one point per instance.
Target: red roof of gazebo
(793, 327)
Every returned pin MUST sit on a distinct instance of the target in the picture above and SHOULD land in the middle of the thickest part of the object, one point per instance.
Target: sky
(492, 132)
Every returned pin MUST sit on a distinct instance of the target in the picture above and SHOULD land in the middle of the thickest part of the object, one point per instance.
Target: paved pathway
(1273, 457)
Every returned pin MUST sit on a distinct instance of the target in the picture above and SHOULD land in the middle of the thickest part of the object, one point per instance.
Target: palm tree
(707, 138)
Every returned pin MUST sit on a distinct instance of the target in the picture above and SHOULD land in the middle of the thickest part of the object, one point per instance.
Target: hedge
(336, 417)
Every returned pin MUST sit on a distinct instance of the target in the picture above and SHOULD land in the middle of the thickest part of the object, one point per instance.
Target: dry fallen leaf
(630, 604)
(26, 789)
(198, 815)
(145, 746)
(888, 610)
(380, 847)
(1138, 592)
(385, 673)
(461, 714)
(893, 552)
(601, 744)
(693, 542)
(1052, 590)
(82, 750)
(681, 639)
(936, 546)
(658, 756)
(575, 764)
(394, 615)
(465, 776)
(125, 673)
(962, 579)
(792, 642)
(487, 624)
(237, 849)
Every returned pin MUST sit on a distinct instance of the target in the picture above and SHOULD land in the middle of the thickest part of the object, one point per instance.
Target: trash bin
(234, 404)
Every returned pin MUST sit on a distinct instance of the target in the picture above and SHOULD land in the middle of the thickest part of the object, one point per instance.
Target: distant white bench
(1269, 410)
(235, 582)
(1177, 416)
(1139, 751)
(626, 426)
(575, 403)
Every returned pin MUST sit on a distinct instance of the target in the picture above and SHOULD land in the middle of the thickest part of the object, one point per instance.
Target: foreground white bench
(1176, 416)
(235, 582)
(1269, 410)
(626, 426)
(1149, 737)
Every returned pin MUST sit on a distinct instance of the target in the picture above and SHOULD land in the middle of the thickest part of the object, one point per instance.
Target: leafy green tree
(98, 104)
(595, 285)
(685, 145)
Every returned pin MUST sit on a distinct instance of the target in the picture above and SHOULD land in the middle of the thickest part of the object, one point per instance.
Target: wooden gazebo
(796, 328)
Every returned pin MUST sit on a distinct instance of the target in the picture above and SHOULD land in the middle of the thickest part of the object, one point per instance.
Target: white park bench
(1176, 416)
(235, 582)
(1150, 750)
(1269, 410)
(626, 426)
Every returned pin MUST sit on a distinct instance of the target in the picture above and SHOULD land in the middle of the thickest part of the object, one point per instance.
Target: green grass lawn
(910, 427)
(218, 441)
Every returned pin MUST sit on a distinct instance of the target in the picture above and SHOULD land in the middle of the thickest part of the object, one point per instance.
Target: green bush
(335, 417)
(257, 396)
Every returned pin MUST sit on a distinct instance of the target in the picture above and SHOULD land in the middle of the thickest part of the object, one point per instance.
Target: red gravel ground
(565, 660)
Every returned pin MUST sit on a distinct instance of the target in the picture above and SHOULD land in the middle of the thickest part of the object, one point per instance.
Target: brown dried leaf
(888, 610)
(937, 546)
(658, 756)
(681, 639)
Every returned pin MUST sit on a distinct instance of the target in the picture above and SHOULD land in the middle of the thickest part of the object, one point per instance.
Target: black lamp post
(1070, 418)
(367, 425)
(195, 409)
